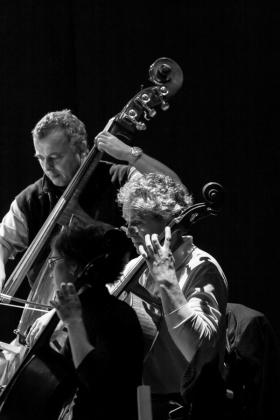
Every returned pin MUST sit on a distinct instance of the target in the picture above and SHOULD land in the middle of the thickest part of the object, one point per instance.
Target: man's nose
(48, 164)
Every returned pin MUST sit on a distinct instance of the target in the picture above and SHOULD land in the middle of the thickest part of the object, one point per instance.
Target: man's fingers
(155, 242)
(142, 251)
(70, 288)
(114, 175)
(167, 239)
(67, 290)
(148, 244)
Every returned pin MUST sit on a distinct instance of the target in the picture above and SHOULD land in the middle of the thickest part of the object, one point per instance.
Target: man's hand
(159, 258)
(67, 304)
(37, 327)
(118, 173)
(110, 144)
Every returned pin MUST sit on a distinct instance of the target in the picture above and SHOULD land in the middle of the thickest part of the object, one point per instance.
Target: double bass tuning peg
(164, 105)
(162, 92)
(132, 115)
(144, 100)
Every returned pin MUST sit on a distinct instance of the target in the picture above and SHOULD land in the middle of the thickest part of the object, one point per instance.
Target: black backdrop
(93, 56)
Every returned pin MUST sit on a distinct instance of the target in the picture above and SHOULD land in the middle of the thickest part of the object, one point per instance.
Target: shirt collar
(49, 188)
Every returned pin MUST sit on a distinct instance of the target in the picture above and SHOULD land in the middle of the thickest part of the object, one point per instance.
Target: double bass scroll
(167, 78)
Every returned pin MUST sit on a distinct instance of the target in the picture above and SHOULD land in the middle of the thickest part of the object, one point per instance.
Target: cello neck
(127, 282)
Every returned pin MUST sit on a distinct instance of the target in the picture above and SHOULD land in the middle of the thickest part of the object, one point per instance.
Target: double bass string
(9, 298)
(21, 307)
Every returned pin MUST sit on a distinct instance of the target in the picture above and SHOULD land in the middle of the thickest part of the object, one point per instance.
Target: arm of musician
(14, 231)
(201, 309)
(69, 309)
(38, 326)
(143, 163)
(13, 237)
(80, 345)
(178, 312)
(193, 318)
(146, 164)
(193, 321)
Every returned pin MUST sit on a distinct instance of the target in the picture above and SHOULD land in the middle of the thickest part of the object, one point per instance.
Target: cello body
(48, 383)
(42, 385)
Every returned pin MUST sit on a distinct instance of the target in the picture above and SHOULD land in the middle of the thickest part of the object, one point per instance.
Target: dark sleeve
(99, 197)
(118, 351)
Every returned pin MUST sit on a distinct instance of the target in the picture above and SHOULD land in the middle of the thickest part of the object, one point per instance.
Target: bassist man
(61, 147)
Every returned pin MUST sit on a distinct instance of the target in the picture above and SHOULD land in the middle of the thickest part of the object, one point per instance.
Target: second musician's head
(149, 202)
(94, 253)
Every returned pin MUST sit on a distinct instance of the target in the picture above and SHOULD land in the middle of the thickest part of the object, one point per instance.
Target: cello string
(22, 307)
(119, 286)
(15, 299)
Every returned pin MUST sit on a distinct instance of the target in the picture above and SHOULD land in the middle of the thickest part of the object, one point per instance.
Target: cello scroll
(213, 194)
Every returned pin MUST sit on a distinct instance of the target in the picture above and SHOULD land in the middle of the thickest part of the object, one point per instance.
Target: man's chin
(57, 181)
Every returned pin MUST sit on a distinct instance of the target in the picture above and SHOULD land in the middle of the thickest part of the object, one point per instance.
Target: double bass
(166, 77)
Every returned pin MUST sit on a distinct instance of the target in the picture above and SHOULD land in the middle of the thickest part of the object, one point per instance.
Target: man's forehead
(55, 140)
(56, 133)
(133, 216)
(130, 214)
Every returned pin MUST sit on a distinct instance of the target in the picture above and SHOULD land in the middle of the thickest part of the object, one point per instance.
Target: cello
(166, 77)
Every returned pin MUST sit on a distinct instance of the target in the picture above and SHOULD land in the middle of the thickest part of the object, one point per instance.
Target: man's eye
(50, 159)
(136, 224)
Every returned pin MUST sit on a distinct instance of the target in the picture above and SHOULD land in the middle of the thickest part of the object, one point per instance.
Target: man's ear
(81, 147)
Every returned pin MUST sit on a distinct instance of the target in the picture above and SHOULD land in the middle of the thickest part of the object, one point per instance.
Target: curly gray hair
(154, 194)
(74, 128)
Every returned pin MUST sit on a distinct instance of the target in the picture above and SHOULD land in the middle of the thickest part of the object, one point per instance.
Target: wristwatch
(135, 152)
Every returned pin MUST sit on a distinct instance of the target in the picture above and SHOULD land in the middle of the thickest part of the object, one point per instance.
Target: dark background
(93, 56)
